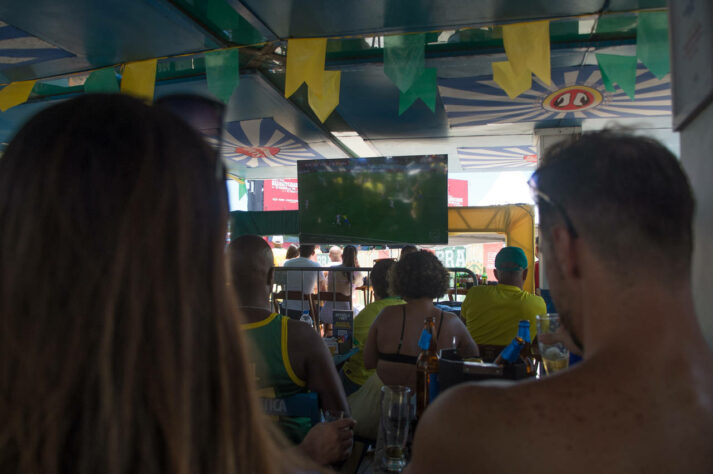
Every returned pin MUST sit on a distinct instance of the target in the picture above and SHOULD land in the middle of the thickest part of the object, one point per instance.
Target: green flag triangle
(102, 80)
(619, 69)
(424, 88)
(652, 42)
(242, 189)
(222, 70)
(404, 59)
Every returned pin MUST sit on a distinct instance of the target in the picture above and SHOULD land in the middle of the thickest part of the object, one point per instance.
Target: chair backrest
(299, 405)
(294, 295)
(333, 296)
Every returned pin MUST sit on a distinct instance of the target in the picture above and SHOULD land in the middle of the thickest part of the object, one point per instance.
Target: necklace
(255, 307)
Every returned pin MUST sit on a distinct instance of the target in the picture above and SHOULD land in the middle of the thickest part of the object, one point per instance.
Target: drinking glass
(395, 417)
(555, 356)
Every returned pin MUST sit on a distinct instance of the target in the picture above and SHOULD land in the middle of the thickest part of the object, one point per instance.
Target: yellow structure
(516, 221)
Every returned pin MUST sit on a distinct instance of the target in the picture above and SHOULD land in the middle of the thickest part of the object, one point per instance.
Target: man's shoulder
(497, 411)
(480, 292)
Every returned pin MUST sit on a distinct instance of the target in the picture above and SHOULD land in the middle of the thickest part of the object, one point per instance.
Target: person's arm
(464, 341)
(322, 283)
(320, 373)
(327, 443)
(371, 353)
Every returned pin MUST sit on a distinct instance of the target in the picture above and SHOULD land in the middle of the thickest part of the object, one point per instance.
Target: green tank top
(272, 369)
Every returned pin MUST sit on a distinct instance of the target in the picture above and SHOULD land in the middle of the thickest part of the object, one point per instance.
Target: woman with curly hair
(392, 344)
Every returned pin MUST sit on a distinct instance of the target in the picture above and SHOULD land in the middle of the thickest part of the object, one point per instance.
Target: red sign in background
(489, 253)
(280, 195)
(457, 193)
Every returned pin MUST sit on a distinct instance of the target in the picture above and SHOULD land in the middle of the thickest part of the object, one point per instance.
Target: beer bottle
(511, 352)
(523, 332)
(426, 367)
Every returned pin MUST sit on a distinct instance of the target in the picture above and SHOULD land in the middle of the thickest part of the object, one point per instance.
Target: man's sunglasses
(204, 115)
(541, 197)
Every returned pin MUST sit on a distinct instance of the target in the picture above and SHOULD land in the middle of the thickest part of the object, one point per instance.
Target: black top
(398, 356)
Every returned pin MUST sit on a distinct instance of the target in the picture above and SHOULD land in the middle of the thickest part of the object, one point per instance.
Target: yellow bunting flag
(527, 46)
(513, 84)
(139, 79)
(305, 63)
(15, 93)
(325, 101)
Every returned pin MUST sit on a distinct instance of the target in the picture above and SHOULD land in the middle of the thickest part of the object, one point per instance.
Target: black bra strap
(403, 326)
(438, 333)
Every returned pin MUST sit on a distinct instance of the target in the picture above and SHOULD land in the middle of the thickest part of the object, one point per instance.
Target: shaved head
(335, 254)
(251, 262)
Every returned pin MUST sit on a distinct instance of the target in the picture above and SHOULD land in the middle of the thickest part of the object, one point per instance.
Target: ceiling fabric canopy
(267, 133)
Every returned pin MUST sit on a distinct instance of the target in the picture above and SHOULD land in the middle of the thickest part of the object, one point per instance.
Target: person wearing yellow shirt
(492, 312)
(354, 374)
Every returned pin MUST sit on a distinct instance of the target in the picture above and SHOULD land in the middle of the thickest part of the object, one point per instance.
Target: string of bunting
(527, 47)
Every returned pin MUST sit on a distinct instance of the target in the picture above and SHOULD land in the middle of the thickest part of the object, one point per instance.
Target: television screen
(385, 200)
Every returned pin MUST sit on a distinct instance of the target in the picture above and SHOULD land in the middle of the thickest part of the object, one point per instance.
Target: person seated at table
(354, 374)
(304, 282)
(492, 313)
(341, 282)
(288, 356)
(614, 209)
(392, 343)
(120, 347)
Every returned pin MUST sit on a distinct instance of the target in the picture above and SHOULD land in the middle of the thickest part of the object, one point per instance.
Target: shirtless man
(309, 366)
(614, 210)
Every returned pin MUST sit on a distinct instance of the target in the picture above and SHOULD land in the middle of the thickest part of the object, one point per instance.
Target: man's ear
(270, 276)
(565, 252)
(524, 274)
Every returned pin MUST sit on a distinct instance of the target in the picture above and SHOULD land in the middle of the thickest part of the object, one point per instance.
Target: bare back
(387, 330)
(590, 419)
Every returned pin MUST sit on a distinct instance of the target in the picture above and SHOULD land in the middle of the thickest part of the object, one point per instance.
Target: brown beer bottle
(426, 367)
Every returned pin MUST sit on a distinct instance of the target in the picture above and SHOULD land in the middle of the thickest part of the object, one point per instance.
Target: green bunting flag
(652, 42)
(404, 59)
(424, 88)
(619, 69)
(102, 80)
(222, 70)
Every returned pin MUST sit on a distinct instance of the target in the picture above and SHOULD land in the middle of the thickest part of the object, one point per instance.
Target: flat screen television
(385, 200)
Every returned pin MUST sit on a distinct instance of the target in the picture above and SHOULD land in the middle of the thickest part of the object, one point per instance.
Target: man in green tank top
(288, 356)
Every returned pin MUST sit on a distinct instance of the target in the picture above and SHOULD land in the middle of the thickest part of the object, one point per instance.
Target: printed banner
(263, 142)
(499, 158)
(18, 48)
(576, 92)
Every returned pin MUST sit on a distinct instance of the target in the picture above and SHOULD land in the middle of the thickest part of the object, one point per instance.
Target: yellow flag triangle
(305, 63)
(15, 93)
(527, 46)
(139, 79)
(513, 84)
(325, 101)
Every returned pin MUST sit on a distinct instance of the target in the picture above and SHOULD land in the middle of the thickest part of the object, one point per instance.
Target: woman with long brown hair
(120, 342)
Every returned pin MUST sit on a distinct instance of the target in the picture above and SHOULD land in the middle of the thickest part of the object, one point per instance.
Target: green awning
(264, 223)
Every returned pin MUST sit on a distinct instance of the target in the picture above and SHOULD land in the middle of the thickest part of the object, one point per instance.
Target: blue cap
(511, 259)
